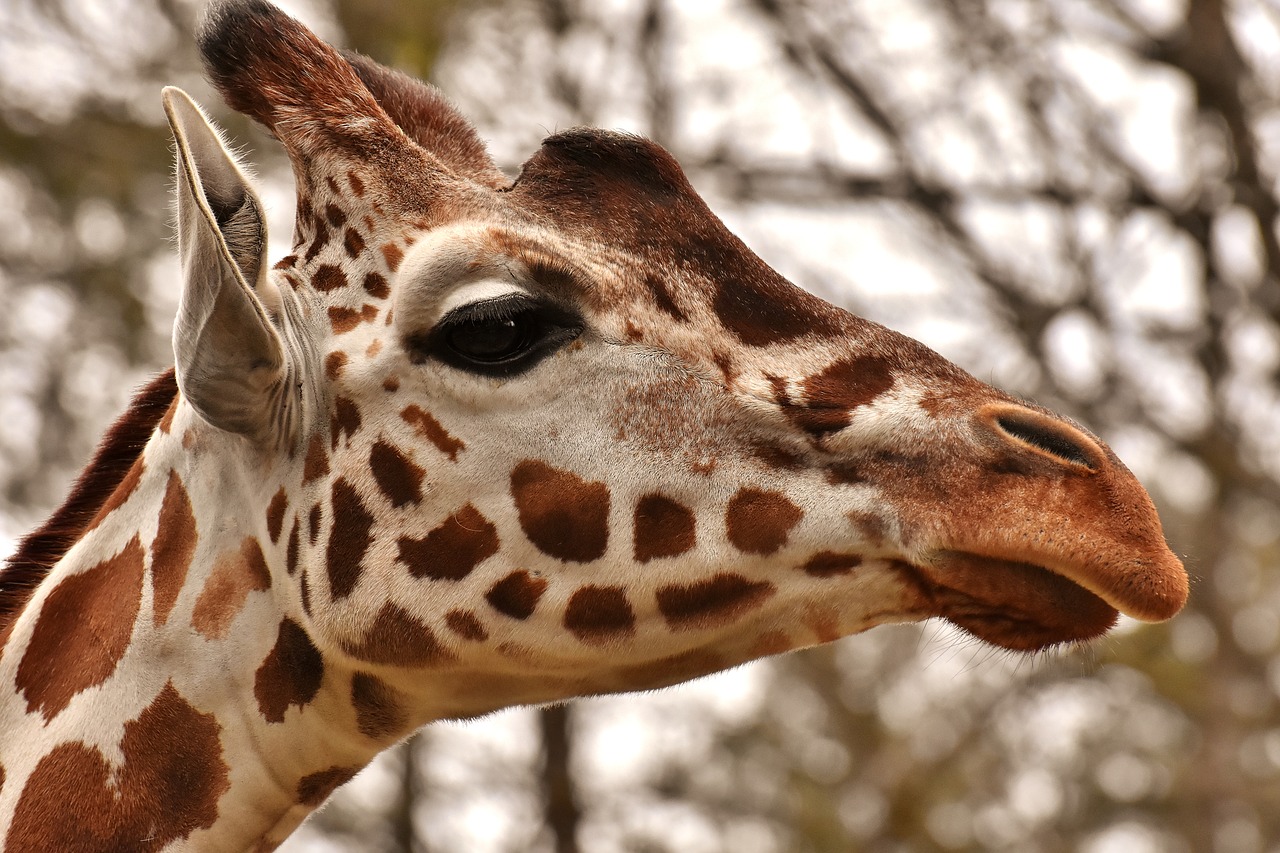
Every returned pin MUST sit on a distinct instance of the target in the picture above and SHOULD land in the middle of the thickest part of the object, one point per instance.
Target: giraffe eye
(500, 337)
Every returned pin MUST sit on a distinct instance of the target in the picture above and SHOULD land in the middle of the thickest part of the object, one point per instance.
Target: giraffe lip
(1012, 604)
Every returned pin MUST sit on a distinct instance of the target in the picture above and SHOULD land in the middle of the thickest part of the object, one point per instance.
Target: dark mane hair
(118, 450)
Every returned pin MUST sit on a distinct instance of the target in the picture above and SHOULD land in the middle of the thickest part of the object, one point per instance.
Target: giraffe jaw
(1015, 605)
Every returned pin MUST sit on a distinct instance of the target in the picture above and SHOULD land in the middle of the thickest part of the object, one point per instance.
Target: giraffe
(481, 442)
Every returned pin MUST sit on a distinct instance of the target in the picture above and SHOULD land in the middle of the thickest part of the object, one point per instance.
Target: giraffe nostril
(1045, 434)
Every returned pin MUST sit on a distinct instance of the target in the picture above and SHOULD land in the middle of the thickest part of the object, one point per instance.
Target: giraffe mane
(119, 449)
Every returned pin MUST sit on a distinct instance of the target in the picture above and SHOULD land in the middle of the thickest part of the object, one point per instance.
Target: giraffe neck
(160, 676)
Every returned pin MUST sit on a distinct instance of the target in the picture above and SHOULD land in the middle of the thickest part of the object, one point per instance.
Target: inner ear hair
(241, 229)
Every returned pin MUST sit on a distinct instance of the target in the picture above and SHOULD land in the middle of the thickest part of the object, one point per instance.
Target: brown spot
(304, 591)
(759, 522)
(337, 218)
(342, 319)
(392, 254)
(373, 348)
(663, 528)
(121, 494)
(352, 242)
(712, 602)
(313, 523)
(82, 631)
(173, 547)
(391, 384)
(166, 422)
(168, 787)
(399, 639)
(563, 515)
(328, 277)
(290, 674)
(334, 363)
(376, 286)
(465, 624)
(378, 712)
(833, 394)
(430, 429)
(778, 458)
(287, 262)
(291, 552)
(318, 241)
(398, 478)
(357, 186)
(452, 550)
(828, 564)
(345, 420)
(232, 578)
(767, 309)
(348, 540)
(872, 527)
(662, 296)
(316, 464)
(845, 474)
(598, 614)
(517, 594)
(275, 514)
(315, 788)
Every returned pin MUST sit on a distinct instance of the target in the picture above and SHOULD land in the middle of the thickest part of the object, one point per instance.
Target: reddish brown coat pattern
(345, 420)
(759, 522)
(291, 551)
(313, 523)
(827, 564)
(82, 631)
(289, 675)
(376, 285)
(315, 788)
(342, 319)
(334, 363)
(173, 547)
(396, 637)
(564, 515)
(121, 494)
(169, 786)
(430, 429)
(711, 602)
(833, 394)
(663, 528)
(517, 594)
(352, 242)
(396, 475)
(347, 541)
(452, 550)
(233, 577)
(316, 465)
(328, 277)
(275, 514)
(598, 614)
(392, 254)
(378, 712)
(465, 624)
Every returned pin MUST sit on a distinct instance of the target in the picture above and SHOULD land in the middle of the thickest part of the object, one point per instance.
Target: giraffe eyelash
(501, 337)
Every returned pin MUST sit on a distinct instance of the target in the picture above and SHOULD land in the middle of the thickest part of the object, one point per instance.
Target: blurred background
(1074, 199)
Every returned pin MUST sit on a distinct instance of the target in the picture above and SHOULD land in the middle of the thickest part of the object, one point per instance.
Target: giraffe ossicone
(481, 442)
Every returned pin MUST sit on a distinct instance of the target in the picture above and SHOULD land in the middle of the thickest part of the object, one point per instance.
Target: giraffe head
(567, 434)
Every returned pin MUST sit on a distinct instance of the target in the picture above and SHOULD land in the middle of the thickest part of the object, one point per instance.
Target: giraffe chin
(1017, 606)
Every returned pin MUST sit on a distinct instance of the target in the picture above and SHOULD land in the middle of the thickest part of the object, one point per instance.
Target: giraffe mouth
(1014, 605)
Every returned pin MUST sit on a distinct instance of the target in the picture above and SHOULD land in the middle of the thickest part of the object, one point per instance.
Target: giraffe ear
(229, 357)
